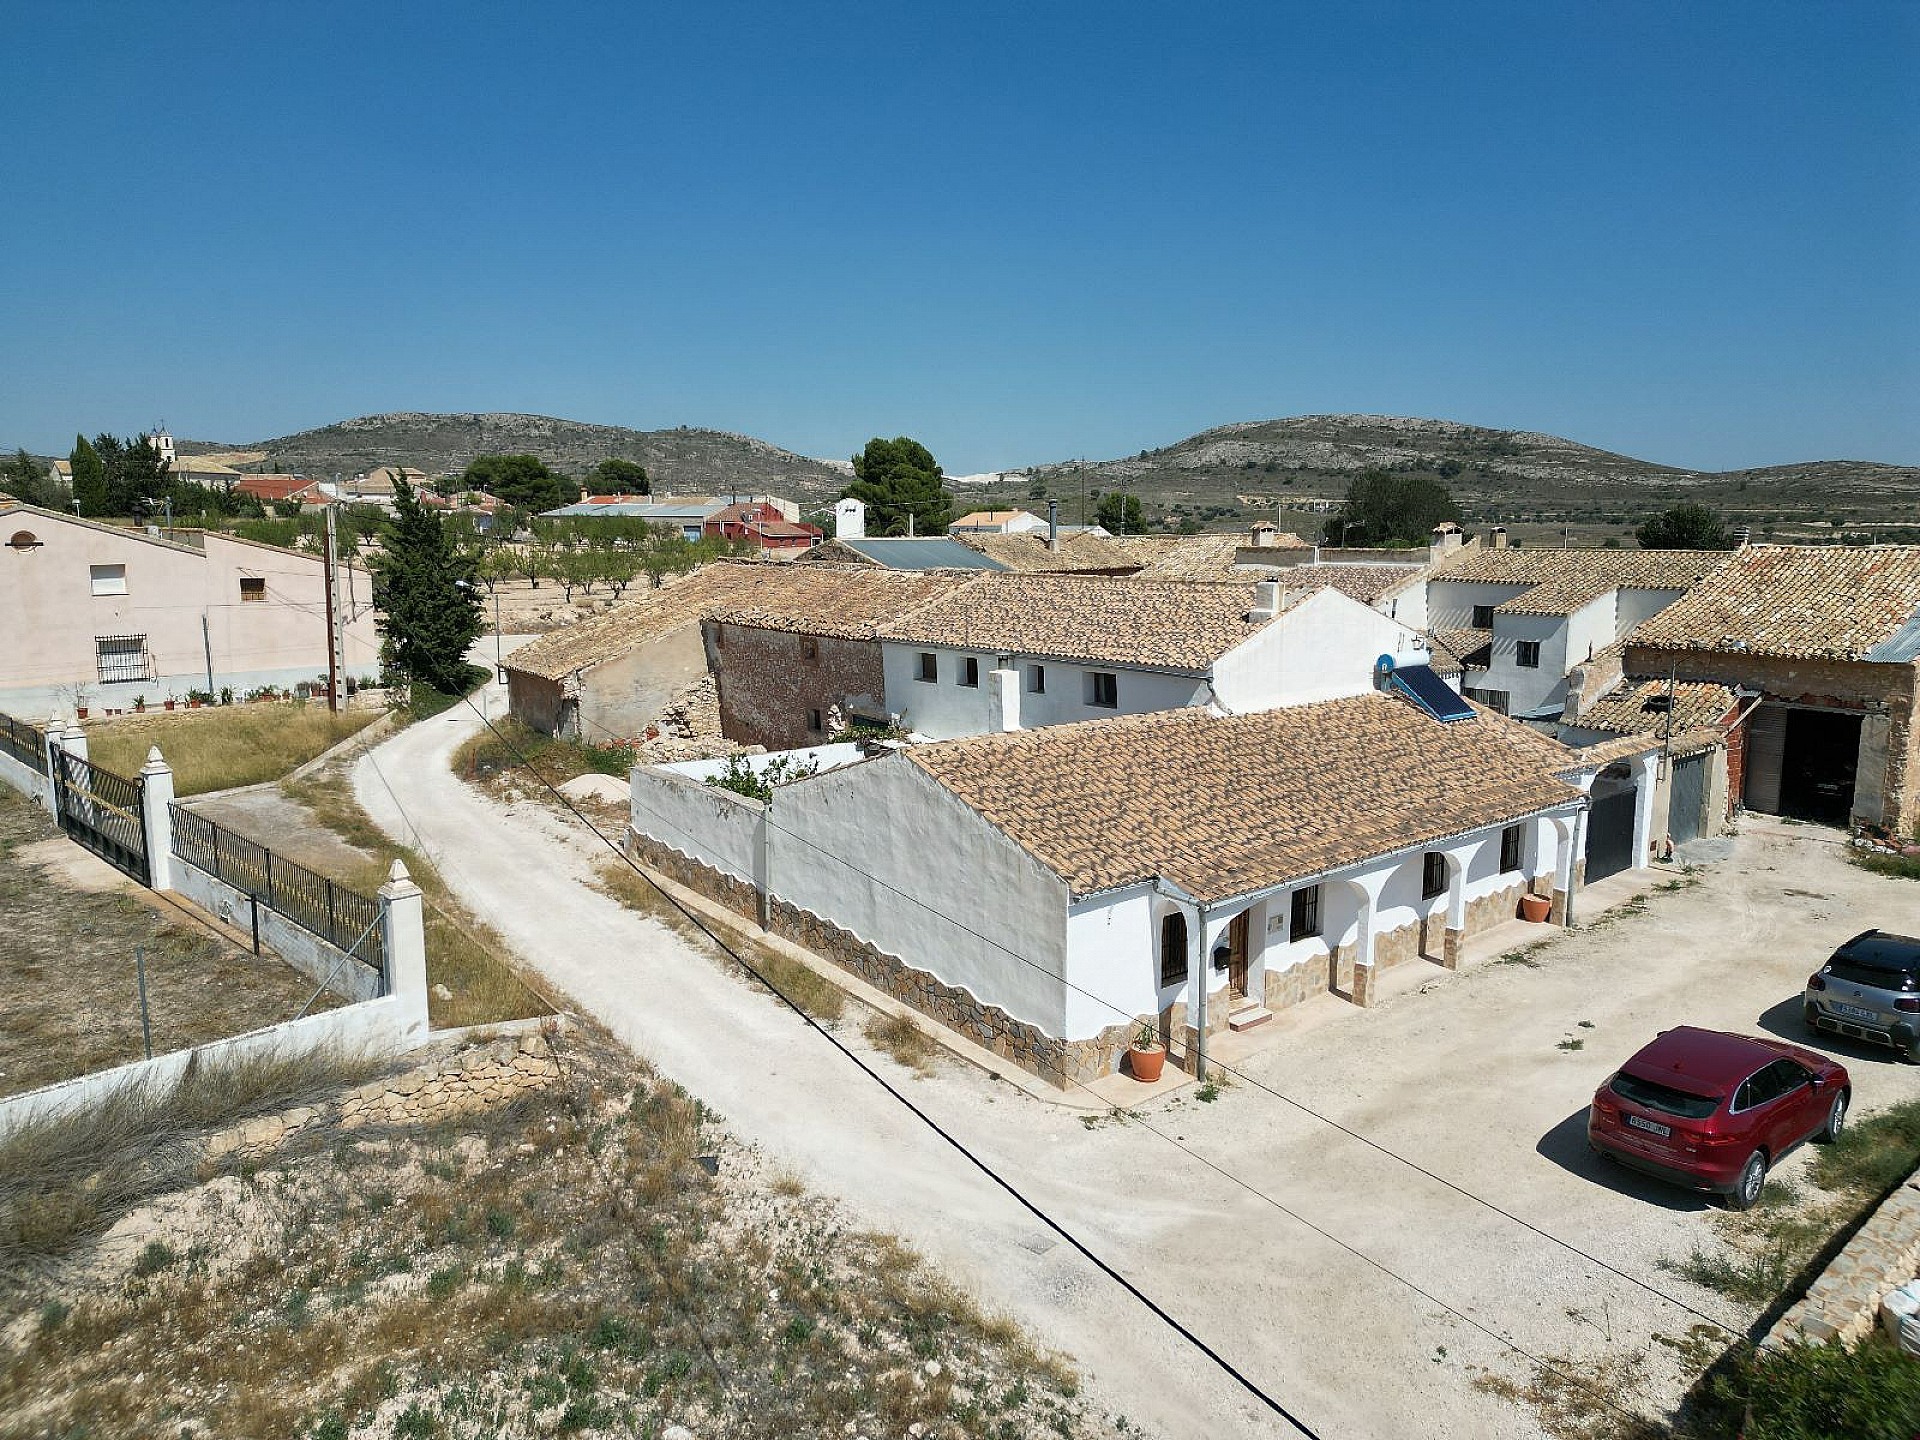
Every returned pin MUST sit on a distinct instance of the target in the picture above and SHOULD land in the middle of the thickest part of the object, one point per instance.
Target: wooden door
(1237, 956)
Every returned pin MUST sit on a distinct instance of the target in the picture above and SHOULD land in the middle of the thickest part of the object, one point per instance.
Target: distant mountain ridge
(1490, 470)
(685, 459)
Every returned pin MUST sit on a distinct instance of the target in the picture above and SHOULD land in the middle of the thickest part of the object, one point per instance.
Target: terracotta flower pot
(1145, 1062)
(80, 712)
(1535, 908)
(168, 704)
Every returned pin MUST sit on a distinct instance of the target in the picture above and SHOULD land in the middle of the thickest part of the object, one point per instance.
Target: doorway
(1818, 764)
(1237, 956)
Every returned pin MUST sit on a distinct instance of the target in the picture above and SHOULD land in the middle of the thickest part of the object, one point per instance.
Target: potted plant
(226, 694)
(168, 703)
(1535, 908)
(139, 704)
(1146, 1054)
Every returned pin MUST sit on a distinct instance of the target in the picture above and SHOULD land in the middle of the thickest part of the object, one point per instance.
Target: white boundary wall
(324, 964)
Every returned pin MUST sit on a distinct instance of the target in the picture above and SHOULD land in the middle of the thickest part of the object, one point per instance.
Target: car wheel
(1836, 1120)
(1753, 1179)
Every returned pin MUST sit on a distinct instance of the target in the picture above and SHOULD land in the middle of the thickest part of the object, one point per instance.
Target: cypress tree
(430, 596)
(89, 477)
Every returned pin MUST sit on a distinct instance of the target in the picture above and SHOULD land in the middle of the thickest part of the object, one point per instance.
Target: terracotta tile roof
(1605, 752)
(1626, 711)
(1797, 602)
(1028, 553)
(1178, 624)
(273, 487)
(1225, 805)
(1462, 649)
(1562, 581)
(990, 517)
(1183, 557)
(1365, 583)
(836, 601)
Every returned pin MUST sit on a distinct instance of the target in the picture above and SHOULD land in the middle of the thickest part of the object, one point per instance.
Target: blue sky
(1017, 232)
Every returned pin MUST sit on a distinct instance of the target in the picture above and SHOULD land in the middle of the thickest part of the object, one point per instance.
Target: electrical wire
(1477, 1325)
(1246, 1382)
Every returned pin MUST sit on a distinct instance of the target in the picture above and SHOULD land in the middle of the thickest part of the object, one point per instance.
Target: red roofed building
(270, 489)
(762, 523)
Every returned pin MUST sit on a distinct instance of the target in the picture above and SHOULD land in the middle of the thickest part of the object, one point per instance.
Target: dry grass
(487, 757)
(800, 983)
(905, 1041)
(67, 975)
(225, 746)
(65, 1179)
(462, 953)
(600, 1260)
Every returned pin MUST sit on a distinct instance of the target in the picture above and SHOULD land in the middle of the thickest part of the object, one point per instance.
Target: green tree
(89, 478)
(900, 482)
(136, 477)
(1684, 527)
(430, 597)
(614, 476)
(1389, 509)
(1119, 514)
(26, 478)
(523, 481)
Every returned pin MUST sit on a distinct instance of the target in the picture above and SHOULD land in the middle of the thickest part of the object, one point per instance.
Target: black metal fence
(102, 811)
(333, 912)
(24, 742)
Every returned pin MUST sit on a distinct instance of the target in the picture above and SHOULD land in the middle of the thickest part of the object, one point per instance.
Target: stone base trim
(1450, 951)
(1058, 1062)
(1844, 1302)
(1363, 982)
(1557, 915)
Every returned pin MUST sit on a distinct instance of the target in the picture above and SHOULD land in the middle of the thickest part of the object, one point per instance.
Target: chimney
(850, 519)
(1498, 537)
(1003, 697)
(1053, 526)
(1263, 533)
(1266, 601)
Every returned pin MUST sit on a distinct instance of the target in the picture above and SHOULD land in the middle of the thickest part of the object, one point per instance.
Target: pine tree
(901, 483)
(89, 478)
(430, 597)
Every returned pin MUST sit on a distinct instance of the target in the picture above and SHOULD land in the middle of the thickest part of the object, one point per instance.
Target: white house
(998, 522)
(1521, 620)
(1048, 892)
(1013, 652)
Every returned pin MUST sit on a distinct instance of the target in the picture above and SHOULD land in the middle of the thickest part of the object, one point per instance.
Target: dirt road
(1327, 1284)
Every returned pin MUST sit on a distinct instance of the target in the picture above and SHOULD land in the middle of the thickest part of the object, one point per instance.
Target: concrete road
(1364, 1295)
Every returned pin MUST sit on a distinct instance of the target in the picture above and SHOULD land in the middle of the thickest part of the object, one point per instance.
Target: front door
(1237, 956)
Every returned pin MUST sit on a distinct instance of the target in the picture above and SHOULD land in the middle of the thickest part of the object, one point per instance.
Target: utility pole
(336, 647)
(206, 641)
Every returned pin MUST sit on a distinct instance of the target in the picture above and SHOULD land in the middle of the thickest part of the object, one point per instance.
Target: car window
(1655, 1096)
(1747, 1096)
(1785, 1077)
(1879, 977)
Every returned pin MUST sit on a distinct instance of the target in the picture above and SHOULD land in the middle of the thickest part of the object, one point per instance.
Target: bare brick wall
(770, 680)
(533, 700)
(1855, 685)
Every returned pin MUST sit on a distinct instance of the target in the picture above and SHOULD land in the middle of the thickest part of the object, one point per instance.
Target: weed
(415, 1423)
(1208, 1093)
(500, 1224)
(1524, 955)
(1874, 1154)
(1572, 1043)
(1754, 1278)
(156, 1257)
(905, 1041)
(53, 1314)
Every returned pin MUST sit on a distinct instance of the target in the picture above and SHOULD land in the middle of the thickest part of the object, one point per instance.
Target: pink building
(100, 615)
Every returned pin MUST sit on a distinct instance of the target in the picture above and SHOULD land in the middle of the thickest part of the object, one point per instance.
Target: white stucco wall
(947, 710)
(1322, 648)
(824, 757)
(1409, 606)
(1635, 606)
(1527, 689)
(1450, 602)
(714, 826)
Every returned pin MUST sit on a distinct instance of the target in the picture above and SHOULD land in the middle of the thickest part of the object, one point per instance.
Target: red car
(1712, 1111)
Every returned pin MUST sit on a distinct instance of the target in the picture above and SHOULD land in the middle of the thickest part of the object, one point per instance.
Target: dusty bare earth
(68, 990)
(599, 1257)
(1373, 1300)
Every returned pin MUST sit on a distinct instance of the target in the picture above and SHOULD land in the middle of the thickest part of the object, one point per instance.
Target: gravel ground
(1473, 1076)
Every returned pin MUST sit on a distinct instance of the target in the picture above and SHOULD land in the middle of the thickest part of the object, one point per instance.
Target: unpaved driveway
(1467, 1078)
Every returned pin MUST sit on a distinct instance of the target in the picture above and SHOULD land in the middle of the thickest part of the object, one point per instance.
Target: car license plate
(1652, 1127)
(1854, 1012)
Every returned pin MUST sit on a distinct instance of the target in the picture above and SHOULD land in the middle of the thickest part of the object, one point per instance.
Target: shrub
(1868, 1391)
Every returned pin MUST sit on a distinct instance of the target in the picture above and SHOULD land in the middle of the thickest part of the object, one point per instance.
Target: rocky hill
(1491, 470)
(684, 459)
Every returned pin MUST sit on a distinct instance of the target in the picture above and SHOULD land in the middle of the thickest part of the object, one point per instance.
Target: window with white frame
(108, 579)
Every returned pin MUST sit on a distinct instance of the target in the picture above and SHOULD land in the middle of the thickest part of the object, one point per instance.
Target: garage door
(1685, 820)
(1609, 832)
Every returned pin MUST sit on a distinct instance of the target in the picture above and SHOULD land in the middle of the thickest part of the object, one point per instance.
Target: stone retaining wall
(1844, 1302)
(467, 1080)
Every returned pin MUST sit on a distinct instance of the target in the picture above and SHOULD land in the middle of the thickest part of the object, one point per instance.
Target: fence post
(404, 929)
(56, 730)
(156, 799)
(74, 741)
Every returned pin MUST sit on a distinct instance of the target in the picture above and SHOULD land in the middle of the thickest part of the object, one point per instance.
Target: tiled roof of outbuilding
(1028, 553)
(1798, 602)
(834, 601)
(1365, 583)
(1222, 805)
(1634, 709)
(1562, 581)
(1117, 620)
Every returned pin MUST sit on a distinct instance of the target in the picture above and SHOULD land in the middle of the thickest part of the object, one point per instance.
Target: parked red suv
(1713, 1111)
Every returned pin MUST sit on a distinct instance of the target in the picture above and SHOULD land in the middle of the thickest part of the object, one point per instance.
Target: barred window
(1306, 914)
(253, 588)
(1173, 950)
(1510, 848)
(122, 657)
(1433, 875)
